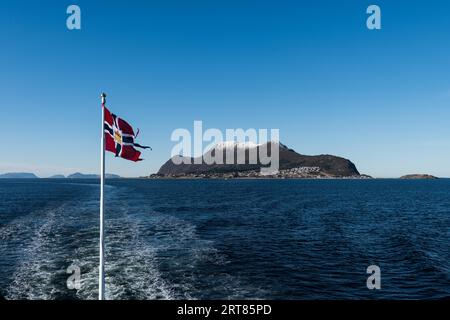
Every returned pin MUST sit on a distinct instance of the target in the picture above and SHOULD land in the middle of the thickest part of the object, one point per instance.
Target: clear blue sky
(311, 69)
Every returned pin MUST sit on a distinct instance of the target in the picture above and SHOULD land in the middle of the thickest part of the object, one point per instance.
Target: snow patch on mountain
(236, 144)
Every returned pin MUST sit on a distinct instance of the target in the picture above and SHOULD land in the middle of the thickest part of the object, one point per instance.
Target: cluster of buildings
(298, 172)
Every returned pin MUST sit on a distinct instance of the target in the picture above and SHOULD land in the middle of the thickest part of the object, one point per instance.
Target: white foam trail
(42, 250)
(138, 243)
(32, 279)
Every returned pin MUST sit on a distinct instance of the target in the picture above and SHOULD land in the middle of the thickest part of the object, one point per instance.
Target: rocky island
(418, 176)
(291, 165)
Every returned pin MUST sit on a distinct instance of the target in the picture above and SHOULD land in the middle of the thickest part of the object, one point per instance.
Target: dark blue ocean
(226, 239)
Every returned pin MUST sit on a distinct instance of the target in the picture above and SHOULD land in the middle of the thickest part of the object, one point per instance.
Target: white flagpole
(101, 278)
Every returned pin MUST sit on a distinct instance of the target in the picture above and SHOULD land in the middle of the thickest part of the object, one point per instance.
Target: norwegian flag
(119, 137)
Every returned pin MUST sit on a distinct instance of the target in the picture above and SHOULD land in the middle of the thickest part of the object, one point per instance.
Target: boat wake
(148, 254)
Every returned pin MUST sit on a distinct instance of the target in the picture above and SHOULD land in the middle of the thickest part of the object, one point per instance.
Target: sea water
(226, 239)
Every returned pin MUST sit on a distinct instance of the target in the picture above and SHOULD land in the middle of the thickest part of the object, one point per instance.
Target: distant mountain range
(77, 175)
(291, 165)
(18, 175)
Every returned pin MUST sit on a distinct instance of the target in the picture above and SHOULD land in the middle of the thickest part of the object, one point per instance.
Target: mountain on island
(57, 176)
(78, 175)
(18, 175)
(291, 165)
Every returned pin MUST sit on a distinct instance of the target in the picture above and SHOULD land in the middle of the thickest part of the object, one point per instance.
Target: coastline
(276, 178)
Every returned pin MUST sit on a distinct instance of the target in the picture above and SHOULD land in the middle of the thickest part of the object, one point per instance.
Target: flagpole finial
(103, 96)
